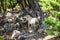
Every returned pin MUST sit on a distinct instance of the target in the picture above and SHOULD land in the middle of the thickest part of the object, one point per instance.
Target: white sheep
(33, 24)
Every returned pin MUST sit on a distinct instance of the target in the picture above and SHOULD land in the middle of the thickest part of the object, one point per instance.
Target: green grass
(1, 38)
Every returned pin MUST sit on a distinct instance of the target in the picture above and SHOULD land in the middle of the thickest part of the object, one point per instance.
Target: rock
(10, 20)
(8, 27)
(40, 39)
(8, 14)
(30, 31)
(33, 39)
(50, 37)
(15, 33)
(22, 38)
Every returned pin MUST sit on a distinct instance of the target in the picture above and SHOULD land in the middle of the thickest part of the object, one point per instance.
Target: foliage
(1, 38)
(53, 7)
(4, 4)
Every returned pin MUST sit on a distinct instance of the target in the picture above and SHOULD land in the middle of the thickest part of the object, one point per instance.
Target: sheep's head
(23, 20)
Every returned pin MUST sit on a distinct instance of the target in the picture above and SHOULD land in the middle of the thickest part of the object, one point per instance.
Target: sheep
(23, 20)
(33, 24)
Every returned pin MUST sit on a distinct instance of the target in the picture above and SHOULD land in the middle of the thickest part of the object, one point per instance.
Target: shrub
(53, 7)
(1, 38)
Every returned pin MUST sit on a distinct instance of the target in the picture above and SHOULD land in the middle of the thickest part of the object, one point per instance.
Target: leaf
(50, 32)
(57, 34)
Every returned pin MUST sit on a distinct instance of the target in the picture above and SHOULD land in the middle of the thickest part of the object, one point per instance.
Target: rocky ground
(12, 21)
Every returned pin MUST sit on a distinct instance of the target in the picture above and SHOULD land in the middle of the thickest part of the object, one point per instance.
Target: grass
(1, 38)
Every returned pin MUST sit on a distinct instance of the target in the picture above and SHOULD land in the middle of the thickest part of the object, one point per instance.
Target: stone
(49, 37)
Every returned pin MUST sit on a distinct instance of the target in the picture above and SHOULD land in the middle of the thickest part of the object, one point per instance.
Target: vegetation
(4, 4)
(52, 7)
(1, 38)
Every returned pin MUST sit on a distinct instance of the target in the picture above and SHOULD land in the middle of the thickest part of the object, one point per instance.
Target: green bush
(4, 4)
(1, 38)
(52, 7)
